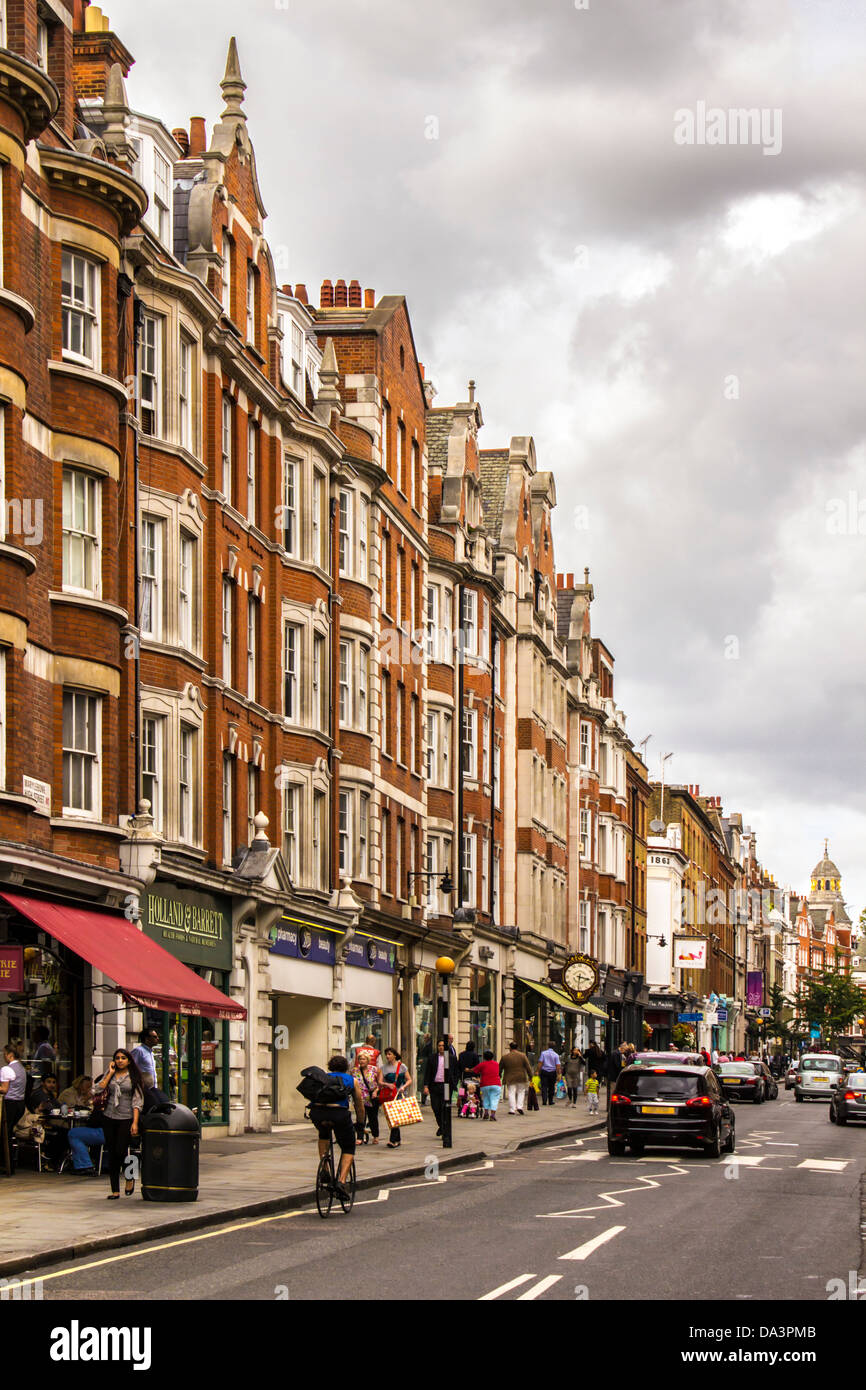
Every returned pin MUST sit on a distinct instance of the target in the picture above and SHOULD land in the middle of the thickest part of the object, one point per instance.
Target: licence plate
(820, 1078)
(730, 1081)
(658, 1110)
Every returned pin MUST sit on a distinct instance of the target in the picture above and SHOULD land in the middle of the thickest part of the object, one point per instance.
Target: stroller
(469, 1105)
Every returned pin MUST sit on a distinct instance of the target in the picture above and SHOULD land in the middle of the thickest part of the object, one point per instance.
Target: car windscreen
(856, 1081)
(824, 1064)
(737, 1069)
(654, 1085)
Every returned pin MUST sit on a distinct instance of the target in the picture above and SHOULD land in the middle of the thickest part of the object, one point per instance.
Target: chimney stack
(197, 136)
(95, 50)
(182, 138)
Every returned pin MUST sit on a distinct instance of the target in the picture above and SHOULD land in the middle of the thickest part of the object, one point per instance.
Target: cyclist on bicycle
(336, 1117)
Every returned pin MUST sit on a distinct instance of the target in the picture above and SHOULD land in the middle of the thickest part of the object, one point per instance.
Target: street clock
(580, 977)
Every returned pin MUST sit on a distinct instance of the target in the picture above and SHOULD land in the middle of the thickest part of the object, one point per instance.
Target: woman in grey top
(121, 1114)
(13, 1085)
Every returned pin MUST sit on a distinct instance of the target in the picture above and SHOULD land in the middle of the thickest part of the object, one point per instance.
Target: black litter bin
(170, 1138)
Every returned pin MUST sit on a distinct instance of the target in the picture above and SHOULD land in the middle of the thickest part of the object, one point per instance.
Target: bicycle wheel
(325, 1186)
(347, 1202)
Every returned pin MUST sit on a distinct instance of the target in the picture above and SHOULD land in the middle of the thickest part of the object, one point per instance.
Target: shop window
(363, 1022)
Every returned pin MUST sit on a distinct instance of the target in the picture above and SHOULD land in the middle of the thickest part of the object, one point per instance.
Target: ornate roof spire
(115, 108)
(233, 86)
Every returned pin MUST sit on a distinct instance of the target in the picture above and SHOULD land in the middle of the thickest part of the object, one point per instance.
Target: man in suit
(440, 1069)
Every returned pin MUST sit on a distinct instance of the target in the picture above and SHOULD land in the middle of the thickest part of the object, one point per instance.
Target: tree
(829, 1001)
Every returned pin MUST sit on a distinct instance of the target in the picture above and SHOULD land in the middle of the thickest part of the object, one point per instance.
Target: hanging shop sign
(690, 952)
(754, 989)
(195, 927)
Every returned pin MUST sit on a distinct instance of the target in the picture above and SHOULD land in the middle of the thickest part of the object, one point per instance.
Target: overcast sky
(680, 326)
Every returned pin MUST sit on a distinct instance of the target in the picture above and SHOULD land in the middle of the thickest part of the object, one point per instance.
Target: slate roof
(437, 430)
(493, 468)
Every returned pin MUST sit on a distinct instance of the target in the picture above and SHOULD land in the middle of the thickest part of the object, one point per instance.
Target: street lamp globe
(445, 965)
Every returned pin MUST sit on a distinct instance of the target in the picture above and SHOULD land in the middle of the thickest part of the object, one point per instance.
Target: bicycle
(326, 1184)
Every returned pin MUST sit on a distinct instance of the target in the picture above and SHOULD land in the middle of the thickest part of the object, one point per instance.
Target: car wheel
(832, 1116)
(616, 1147)
(759, 1096)
(715, 1148)
(798, 1098)
(841, 1119)
(731, 1141)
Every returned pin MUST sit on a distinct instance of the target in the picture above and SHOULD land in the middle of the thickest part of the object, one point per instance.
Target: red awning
(143, 971)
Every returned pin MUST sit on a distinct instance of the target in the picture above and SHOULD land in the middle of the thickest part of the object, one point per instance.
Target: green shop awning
(596, 1012)
(554, 996)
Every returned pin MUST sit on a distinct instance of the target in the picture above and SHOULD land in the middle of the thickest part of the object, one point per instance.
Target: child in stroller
(469, 1099)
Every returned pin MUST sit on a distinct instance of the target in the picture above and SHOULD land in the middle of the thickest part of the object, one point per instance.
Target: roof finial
(586, 575)
(472, 393)
(233, 85)
(826, 849)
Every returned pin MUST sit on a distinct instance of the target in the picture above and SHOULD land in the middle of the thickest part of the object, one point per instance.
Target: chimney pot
(341, 295)
(369, 299)
(197, 136)
(354, 294)
(182, 138)
(569, 581)
(301, 294)
(326, 295)
(286, 289)
(422, 371)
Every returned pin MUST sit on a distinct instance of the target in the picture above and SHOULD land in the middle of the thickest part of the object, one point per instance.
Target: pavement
(46, 1217)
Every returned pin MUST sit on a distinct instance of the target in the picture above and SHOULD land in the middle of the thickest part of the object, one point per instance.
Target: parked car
(791, 1076)
(818, 1074)
(675, 1104)
(849, 1100)
(771, 1085)
(744, 1081)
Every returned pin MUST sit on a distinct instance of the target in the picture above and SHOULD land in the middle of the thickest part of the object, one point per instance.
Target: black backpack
(323, 1087)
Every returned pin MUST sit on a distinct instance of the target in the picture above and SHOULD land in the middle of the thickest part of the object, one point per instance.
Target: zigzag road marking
(610, 1199)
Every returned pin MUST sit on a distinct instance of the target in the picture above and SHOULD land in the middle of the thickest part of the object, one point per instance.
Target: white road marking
(572, 1158)
(539, 1288)
(610, 1199)
(784, 1144)
(584, 1251)
(747, 1161)
(825, 1165)
(506, 1288)
(829, 1165)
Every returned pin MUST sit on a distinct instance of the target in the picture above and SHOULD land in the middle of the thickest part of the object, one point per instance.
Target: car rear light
(620, 1100)
(699, 1100)
(751, 1080)
(850, 1095)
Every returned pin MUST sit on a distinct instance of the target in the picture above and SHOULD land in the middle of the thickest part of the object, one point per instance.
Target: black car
(849, 1099)
(673, 1104)
(746, 1081)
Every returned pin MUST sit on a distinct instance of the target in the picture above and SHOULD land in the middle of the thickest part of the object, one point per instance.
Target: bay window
(82, 524)
(80, 295)
(82, 715)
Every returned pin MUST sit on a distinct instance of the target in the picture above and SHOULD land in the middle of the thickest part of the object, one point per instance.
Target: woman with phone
(121, 1115)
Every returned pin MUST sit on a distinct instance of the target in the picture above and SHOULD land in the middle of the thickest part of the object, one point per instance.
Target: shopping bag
(403, 1112)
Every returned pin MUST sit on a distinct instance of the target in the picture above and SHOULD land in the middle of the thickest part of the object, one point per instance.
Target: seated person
(44, 1098)
(79, 1095)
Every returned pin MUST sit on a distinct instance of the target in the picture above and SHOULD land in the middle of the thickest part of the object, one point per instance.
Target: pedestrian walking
(487, 1072)
(516, 1073)
(434, 1079)
(120, 1115)
(394, 1080)
(367, 1075)
(549, 1071)
(13, 1088)
(142, 1056)
(592, 1093)
(573, 1074)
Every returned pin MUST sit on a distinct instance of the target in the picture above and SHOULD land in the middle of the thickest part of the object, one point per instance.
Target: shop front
(82, 968)
(551, 1019)
(192, 1054)
(661, 1015)
(424, 1019)
(302, 957)
(370, 966)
